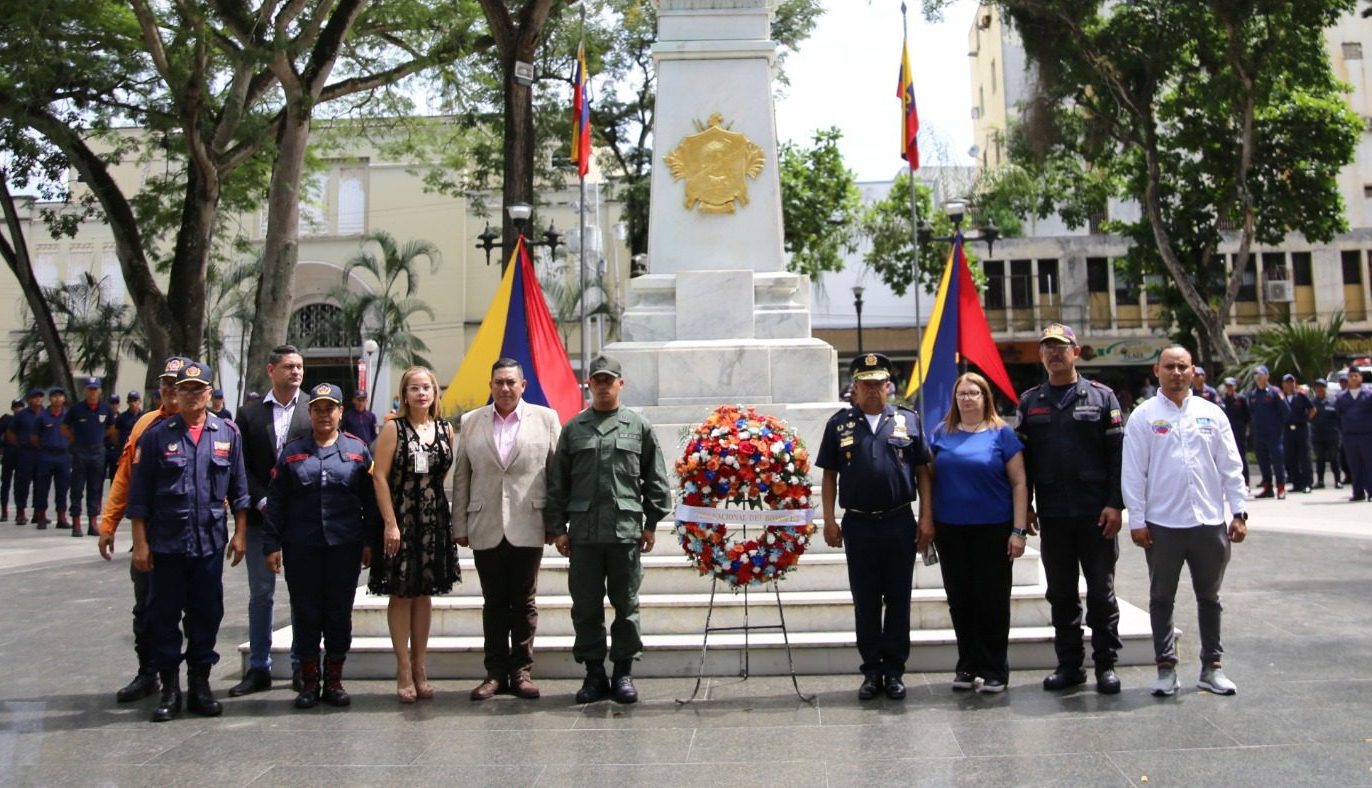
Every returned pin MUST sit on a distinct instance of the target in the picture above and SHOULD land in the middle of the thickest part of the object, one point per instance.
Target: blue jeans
(261, 595)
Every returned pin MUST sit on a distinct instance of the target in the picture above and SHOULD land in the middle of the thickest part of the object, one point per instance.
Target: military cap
(194, 372)
(326, 392)
(1059, 333)
(605, 365)
(871, 366)
(171, 368)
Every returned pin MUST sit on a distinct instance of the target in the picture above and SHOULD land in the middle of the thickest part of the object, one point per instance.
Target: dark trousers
(1205, 550)
(1241, 442)
(24, 472)
(881, 571)
(1297, 447)
(593, 572)
(1359, 451)
(509, 616)
(189, 588)
(976, 578)
(8, 460)
(54, 471)
(1270, 457)
(88, 477)
(142, 638)
(1327, 452)
(1068, 543)
(322, 582)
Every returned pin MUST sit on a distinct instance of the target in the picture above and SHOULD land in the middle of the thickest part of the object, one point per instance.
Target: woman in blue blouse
(980, 503)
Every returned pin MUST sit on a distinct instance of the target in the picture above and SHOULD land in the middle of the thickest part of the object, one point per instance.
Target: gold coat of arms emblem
(715, 163)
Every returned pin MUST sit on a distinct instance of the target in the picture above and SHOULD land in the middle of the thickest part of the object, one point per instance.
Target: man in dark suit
(282, 416)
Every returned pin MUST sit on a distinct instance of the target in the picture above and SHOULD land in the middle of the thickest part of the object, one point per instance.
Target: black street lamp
(956, 210)
(857, 307)
(519, 214)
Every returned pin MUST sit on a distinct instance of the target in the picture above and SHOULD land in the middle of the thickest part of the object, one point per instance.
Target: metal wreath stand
(746, 628)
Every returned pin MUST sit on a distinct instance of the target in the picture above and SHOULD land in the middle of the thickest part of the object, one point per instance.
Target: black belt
(883, 514)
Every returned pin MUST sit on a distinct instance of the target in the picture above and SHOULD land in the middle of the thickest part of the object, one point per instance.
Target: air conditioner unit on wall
(1278, 291)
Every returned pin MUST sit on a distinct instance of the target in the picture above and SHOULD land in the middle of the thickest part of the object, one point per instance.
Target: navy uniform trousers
(195, 585)
(881, 572)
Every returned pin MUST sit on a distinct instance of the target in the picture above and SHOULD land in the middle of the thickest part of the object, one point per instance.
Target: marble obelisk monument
(719, 319)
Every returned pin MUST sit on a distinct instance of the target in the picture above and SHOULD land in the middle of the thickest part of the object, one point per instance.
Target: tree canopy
(1221, 118)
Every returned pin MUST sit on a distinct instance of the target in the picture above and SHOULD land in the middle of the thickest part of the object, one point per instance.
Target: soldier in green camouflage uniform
(608, 479)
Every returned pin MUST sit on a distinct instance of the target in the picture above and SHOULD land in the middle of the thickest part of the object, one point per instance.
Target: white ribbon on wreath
(770, 517)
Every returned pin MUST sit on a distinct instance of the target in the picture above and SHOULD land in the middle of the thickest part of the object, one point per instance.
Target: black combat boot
(596, 686)
(309, 683)
(170, 704)
(143, 685)
(623, 683)
(333, 692)
(199, 698)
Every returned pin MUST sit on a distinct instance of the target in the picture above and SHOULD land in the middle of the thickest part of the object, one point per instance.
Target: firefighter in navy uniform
(875, 460)
(1073, 445)
(185, 470)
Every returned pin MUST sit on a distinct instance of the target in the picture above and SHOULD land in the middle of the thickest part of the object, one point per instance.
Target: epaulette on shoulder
(1101, 386)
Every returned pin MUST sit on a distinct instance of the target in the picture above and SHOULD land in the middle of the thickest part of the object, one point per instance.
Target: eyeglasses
(969, 395)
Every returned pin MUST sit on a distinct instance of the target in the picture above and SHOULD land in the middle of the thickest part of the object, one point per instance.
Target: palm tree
(229, 303)
(96, 331)
(386, 313)
(1304, 349)
(562, 292)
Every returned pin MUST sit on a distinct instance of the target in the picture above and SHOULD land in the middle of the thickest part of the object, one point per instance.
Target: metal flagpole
(581, 221)
(914, 244)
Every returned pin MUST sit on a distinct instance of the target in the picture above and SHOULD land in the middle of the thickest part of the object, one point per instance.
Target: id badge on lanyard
(421, 462)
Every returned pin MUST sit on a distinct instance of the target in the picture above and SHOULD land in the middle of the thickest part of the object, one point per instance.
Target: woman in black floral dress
(418, 558)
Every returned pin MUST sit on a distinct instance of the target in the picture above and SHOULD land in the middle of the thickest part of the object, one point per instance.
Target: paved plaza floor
(1298, 632)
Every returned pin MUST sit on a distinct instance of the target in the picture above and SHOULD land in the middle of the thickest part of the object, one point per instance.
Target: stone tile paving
(1298, 632)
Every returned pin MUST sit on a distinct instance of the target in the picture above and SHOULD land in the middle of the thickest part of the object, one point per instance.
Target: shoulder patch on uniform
(299, 457)
(354, 456)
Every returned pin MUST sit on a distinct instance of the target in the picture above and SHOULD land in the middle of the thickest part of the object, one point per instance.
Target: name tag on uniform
(421, 463)
(221, 448)
(845, 441)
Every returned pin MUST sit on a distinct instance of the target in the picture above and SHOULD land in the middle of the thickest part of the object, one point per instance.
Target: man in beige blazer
(499, 486)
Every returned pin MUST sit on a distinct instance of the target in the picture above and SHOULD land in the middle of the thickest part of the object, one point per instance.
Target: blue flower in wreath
(762, 486)
(710, 475)
(759, 560)
(790, 445)
(735, 566)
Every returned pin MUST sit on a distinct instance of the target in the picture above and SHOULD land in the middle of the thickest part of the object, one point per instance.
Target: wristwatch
(1241, 516)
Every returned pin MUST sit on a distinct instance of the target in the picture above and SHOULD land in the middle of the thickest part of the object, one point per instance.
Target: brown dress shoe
(488, 688)
(524, 686)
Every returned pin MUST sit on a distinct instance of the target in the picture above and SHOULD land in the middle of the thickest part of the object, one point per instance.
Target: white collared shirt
(281, 417)
(506, 430)
(1180, 464)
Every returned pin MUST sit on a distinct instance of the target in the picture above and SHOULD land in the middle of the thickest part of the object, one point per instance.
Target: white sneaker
(1213, 679)
(1167, 683)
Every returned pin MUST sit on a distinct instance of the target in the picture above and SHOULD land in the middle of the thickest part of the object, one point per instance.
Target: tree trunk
(280, 249)
(194, 239)
(518, 151)
(16, 254)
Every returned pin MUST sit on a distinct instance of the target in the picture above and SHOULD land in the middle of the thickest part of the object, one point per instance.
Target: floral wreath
(740, 458)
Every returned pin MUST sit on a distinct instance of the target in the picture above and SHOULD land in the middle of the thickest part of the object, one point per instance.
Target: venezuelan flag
(909, 112)
(518, 326)
(957, 330)
(581, 116)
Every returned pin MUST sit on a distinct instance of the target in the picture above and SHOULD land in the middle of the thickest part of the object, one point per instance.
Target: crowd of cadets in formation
(56, 454)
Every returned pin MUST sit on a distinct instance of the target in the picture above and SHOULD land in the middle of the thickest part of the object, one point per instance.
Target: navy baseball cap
(1231, 382)
(1059, 333)
(327, 392)
(217, 393)
(194, 372)
(1288, 376)
(114, 399)
(94, 383)
(133, 395)
(57, 390)
(1199, 370)
(1261, 369)
(1321, 382)
(33, 391)
(171, 368)
(17, 401)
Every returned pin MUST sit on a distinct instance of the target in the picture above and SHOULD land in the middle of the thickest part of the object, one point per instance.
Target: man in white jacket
(1181, 466)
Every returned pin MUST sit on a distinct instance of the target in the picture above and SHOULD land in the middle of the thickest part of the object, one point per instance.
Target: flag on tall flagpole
(956, 328)
(909, 113)
(518, 326)
(581, 116)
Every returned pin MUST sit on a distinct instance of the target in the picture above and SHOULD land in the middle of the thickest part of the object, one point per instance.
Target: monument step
(671, 574)
(814, 653)
(665, 614)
